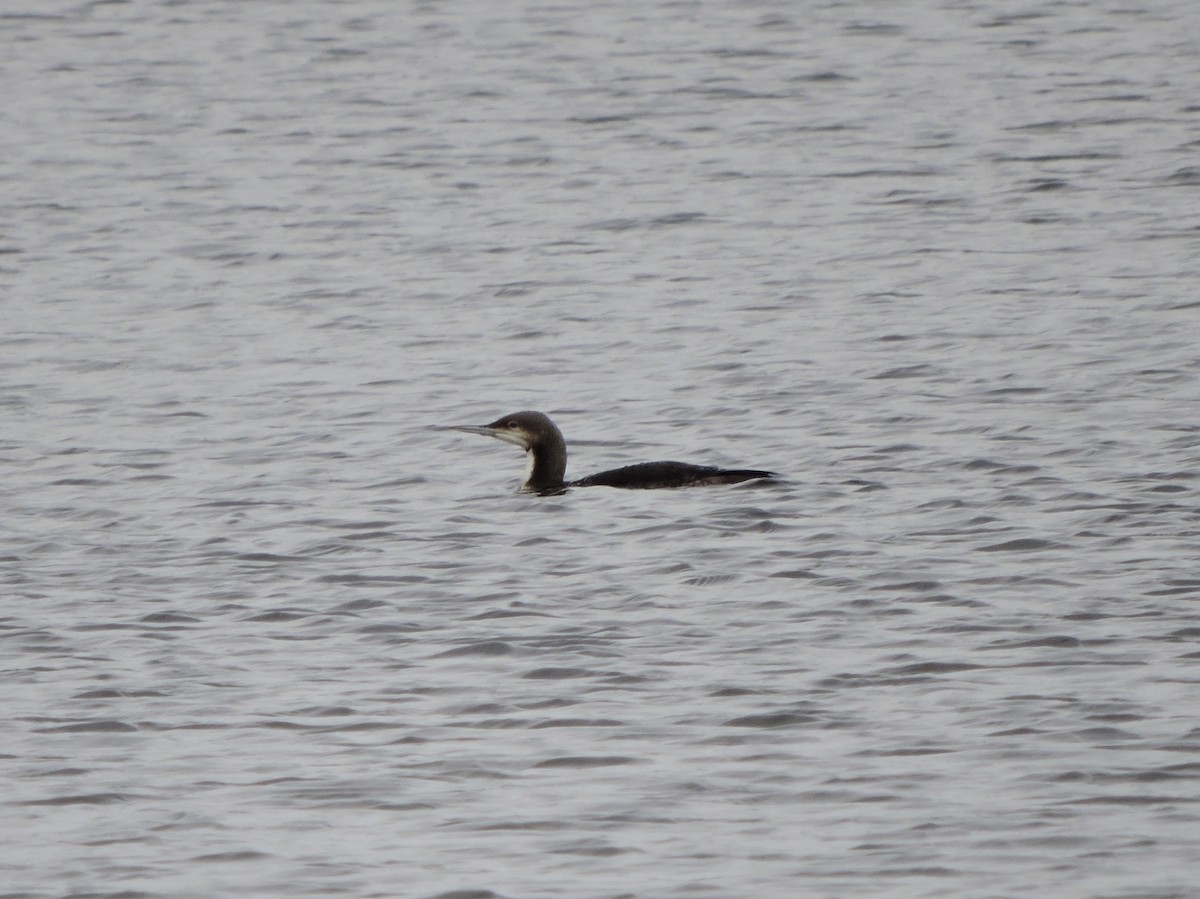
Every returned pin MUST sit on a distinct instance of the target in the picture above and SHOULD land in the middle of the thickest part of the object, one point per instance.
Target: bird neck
(546, 464)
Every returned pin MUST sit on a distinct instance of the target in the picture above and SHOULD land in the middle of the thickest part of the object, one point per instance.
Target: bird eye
(512, 425)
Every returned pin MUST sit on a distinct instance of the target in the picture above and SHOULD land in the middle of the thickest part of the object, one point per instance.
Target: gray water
(268, 632)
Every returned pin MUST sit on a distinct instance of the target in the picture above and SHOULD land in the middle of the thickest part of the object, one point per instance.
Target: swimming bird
(546, 461)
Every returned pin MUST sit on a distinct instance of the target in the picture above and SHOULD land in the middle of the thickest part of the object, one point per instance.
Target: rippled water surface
(269, 632)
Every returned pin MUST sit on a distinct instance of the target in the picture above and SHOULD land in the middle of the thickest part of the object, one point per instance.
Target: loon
(546, 457)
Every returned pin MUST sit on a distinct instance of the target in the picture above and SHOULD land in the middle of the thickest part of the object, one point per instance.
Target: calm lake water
(268, 632)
